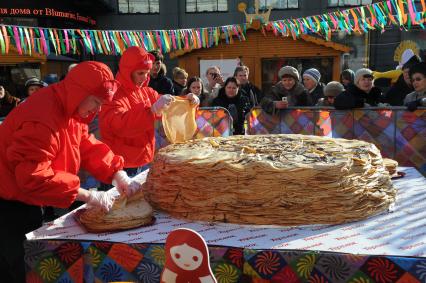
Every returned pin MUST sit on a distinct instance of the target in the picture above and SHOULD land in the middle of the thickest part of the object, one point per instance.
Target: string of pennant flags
(401, 13)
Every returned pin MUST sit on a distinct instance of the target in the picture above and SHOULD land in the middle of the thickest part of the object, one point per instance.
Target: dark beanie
(348, 74)
(418, 68)
(411, 62)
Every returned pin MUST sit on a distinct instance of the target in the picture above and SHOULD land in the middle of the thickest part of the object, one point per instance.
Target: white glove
(103, 200)
(162, 103)
(193, 99)
(121, 181)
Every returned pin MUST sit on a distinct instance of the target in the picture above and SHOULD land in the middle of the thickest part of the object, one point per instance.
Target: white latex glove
(193, 99)
(2, 92)
(162, 103)
(103, 200)
(121, 181)
(134, 187)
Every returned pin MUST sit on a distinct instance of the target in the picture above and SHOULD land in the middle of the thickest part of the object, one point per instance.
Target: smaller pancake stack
(391, 166)
(125, 214)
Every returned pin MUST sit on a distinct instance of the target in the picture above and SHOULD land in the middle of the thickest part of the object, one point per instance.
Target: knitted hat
(333, 89)
(347, 74)
(363, 72)
(35, 81)
(289, 71)
(313, 74)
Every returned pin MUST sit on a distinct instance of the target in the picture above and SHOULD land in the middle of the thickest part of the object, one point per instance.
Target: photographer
(214, 83)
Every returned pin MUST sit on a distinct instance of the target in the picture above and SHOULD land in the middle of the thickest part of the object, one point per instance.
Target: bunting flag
(401, 13)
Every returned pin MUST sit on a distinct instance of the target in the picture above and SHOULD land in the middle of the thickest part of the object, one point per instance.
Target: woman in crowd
(287, 92)
(32, 85)
(195, 86)
(238, 105)
(42, 145)
(347, 77)
(331, 90)
(418, 96)
(127, 122)
(311, 81)
(180, 77)
(7, 102)
(361, 94)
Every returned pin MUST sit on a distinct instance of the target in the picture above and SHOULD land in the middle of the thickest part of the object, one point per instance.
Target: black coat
(162, 84)
(237, 106)
(317, 93)
(177, 88)
(297, 96)
(7, 103)
(353, 97)
(396, 94)
(254, 94)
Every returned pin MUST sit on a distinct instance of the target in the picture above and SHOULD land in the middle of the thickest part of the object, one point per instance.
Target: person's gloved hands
(412, 106)
(103, 200)
(162, 103)
(193, 99)
(134, 187)
(121, 181)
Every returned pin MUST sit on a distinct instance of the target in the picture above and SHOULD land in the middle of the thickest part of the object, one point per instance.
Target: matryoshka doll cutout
(187, 258)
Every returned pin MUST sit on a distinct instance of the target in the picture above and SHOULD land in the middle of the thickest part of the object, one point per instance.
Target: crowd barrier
(399, 134)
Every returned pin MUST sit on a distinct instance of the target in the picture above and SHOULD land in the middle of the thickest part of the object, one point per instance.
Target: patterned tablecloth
(390, 247)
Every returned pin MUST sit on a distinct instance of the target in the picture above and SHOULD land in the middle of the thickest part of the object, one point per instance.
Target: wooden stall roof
(13, 57)
(253, 38)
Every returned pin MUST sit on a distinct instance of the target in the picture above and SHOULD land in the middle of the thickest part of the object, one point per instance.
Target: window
(206, 6)
(342, 3)
(138, 6)
(278, 4)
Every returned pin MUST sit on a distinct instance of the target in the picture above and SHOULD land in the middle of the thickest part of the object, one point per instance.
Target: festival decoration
(376, 16)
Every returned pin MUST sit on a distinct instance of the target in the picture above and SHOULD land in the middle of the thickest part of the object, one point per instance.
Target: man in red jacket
(127, 123)
(43, 142)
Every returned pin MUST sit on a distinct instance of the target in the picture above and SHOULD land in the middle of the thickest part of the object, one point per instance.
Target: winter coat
(162, 84)
(127, 123)
(44, 142)
(237, 106)
(7, 103)
(177, 88)
(414, 100)
(254, 94)
(297, 96)
(396, 94)
(317, 93)
(353, 97)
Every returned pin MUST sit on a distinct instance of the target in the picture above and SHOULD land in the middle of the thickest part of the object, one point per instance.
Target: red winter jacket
(127, 123)
(43, 142)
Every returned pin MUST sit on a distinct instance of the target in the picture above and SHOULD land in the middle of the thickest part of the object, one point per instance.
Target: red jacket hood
(87, 78)
(134, 58)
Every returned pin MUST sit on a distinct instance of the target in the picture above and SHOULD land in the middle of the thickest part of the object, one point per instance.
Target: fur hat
(313, 74)
(289, 71)
(333, 89)
(363, 72)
